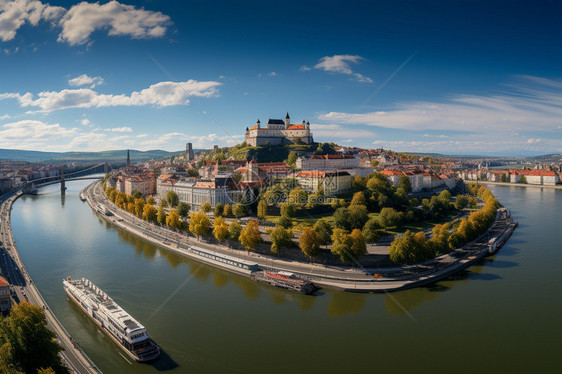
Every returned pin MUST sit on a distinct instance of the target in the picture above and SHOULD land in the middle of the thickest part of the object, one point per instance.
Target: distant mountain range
(111, 156)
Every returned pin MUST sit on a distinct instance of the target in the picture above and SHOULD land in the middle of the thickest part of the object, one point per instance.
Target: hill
(111, 156)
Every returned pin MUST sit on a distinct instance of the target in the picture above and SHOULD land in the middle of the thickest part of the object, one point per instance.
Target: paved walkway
(346, 278)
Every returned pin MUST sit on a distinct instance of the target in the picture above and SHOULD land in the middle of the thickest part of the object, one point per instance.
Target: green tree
(220, 229)
(461, 202)
(342, 219)
(227, 211)
(172, 198)
(206, 207)
(503, 178)
(324, 232)
(26, 344)
(136, 195)
(219, 210)
(390, 217)
(358, 183)
(285, 221)
(404, 183)
(150, 200)
(341, 245)
(149, 213)
(309, 242)
(287, 210)
(371, 230)
(250, 236)
(358, 216)
(239, 210)
(292, 159)
(523, 180)
(280, 237)
(234, 231)
(173, 219)
(358, 243)
(199, 224)
(183, 209)
(358, 199)
(161, 218)
(298, 197)
(262, 209)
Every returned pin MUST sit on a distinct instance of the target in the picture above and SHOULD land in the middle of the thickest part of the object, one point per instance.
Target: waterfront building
(279, 132)
(143, 183)
(197, 191)
(328, 162)
(5, 300)
(332, 182)
(262, 172)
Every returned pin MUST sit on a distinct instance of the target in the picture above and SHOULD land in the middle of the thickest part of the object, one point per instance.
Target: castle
(278, 132)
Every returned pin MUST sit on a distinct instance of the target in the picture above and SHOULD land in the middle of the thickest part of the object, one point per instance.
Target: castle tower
(189, 152)
(287, 121)
(258, 123)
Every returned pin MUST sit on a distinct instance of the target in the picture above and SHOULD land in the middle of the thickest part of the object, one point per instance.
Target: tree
(342, 219)
(173, 219)
(292, 158)
(199, 224)
(136, 195)
(149, 213)
(404, 183)
(461, 202)
(220, 229)
(280, 237)
(150, 200)
(161, 215)
(172, 198)
(227, 211)
(192, 173)
(250, 236)
(390, 217)
(183, 209)
(287, 210)
(26, 344)
(503, 178)
(341, 245)
(219, 210)
(309, 242)
(523, 180)
(206, 207)
(298, 197)
(262, 209)
(323, 231)
(371, 230)
(234, 231)
(139, 207)
(358, 243)
(239, 210)
(358, 199)
(285, 221)
(358, 216)
(358, 183)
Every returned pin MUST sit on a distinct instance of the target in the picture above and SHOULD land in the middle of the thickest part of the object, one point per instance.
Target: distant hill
(111, 156)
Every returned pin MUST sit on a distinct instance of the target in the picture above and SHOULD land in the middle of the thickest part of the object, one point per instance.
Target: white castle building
(278, 132)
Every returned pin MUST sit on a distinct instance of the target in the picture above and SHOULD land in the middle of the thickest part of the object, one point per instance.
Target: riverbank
(555, 187)
(339, 278)
(73, 356)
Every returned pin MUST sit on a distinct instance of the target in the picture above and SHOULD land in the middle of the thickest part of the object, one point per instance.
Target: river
(498, 316)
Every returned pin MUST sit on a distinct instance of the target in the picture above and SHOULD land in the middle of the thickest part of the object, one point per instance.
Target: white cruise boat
(123, 329)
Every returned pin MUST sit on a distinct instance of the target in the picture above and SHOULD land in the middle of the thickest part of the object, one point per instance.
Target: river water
(502, 315)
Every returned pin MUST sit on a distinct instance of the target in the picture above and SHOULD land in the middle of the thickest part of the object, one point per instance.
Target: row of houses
(536, 177)
(421, 180)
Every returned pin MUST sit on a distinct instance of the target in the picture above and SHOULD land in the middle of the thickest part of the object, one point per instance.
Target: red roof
(296, 127)
(391, 172)
(4, 282)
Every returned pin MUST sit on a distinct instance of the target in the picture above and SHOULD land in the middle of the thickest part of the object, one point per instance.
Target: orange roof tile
(4, 282)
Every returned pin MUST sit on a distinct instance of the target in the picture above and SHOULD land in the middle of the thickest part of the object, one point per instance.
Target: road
(15, 272)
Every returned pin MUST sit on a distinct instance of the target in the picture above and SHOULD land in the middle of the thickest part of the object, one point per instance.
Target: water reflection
(220, 279)
(398, 303)
(343, 303)
(62, 199)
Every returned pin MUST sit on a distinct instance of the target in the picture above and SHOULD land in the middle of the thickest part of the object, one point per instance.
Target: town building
(328, 162)
(143, 183)
(262, 172)
(5, 297)
(331, 182)
(279, 132)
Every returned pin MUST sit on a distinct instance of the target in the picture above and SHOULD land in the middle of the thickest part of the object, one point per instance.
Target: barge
(123, 329)
(285, 279)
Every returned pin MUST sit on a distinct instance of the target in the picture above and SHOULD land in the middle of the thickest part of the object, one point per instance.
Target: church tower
(287, 121)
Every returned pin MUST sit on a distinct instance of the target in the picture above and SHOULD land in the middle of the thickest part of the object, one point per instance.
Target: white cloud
(160, 94)
(340, 64)
(85, 80)
(27, 134)
(81, 20)
(15, 13)
(533, 105)
(304, 68)
(86, 122)
(533, 141)
(272, 74)
(346, 131)
(120, 129)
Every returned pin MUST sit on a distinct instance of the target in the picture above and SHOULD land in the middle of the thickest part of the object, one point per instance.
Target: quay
(339, 278)
(72, 354)
(550, 187)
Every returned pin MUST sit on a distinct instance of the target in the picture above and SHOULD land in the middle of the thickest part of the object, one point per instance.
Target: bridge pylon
(62, 185)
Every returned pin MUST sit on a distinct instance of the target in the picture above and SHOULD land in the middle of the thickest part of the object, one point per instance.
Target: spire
(128, 158)
(287, 116)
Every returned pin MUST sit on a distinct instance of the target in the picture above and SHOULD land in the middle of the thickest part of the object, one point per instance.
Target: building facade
(278, 132)
(331, 182)
(5, 297)
(328, 162)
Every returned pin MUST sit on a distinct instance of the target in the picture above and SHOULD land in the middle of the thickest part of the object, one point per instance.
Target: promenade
(555, 187)
(14, 270)
(348, 278)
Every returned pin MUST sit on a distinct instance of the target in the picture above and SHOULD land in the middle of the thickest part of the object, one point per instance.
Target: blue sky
(456, 77)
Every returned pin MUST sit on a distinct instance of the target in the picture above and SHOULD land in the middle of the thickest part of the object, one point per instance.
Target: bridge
(30, 187)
